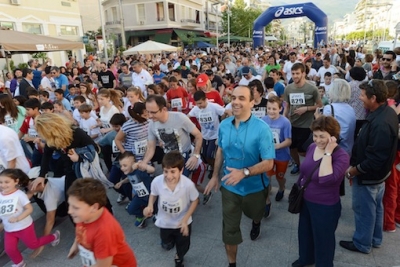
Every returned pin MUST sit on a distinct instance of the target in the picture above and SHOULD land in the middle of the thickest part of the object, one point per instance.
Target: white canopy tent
(150, 47)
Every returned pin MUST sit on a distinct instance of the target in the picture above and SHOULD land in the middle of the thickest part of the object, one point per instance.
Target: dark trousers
(316, 232)
(174, 236)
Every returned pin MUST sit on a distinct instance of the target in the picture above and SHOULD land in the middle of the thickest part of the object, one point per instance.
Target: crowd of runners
(227, 119)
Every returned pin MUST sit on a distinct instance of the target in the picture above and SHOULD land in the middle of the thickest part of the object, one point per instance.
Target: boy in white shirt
(78, 101)
(178, 200)
(207, 114)
(88, 123)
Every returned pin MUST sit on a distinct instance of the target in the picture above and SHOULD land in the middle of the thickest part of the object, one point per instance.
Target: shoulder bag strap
(315, 168)
(332, 111)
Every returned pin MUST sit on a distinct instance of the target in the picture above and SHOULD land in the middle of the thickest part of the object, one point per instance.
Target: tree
(241, 19)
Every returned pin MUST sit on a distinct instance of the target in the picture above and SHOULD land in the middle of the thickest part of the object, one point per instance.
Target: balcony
(113, 22)
(190, 23)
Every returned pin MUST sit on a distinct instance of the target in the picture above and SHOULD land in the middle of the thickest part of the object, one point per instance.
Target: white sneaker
(21, 264)
(57, 240)
(120, 198)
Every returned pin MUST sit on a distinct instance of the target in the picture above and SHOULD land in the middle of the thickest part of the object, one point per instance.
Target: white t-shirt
(140, 79)
(246, 82)
(53, 193)
(208, 119)
(77, 116)
(86, 124)
(10, 148)
(46, 83)
(321, 72)
(12, 205)
(312, 73)
(287, 68)
(105, 117)
(173, 205)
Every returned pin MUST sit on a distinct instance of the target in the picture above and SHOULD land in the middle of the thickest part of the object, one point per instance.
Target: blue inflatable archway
(292, 11)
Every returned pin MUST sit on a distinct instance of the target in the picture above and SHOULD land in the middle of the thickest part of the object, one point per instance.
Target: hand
(118, 185)
(93, 127)
(142, 166)
(13, 220)
(234, 177)
(191, 164)
(148, 211)
(36, 252)
(36, 140)
(317, 114)
(184, 229)
(27, 138)
(73, 251)
(36, 182)
(212, 184)
(104, 130)
(73, 156)
(300, 111)
(331, 145)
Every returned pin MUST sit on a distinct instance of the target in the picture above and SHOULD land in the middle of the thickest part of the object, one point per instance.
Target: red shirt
(215, 97)
(178, 92)
(105, 238)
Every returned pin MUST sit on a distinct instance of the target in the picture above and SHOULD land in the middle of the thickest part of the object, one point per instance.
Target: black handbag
(297, 192)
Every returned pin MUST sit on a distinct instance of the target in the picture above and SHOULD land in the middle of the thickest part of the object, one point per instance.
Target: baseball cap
(209, 72)
(245, 70)
(202, 80)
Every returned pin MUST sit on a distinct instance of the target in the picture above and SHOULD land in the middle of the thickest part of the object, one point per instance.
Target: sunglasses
(386, 59)
(53, 72)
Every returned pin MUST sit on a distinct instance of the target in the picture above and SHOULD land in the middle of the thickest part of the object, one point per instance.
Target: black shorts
(299, 137)
(208, 149)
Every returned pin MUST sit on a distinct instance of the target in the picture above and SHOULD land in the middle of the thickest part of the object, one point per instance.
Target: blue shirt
(281, 130)
(60, 81)
(157, 78)
(279, 89)
(244, 147)
(141, 183)
(37, 78)
(66, 104)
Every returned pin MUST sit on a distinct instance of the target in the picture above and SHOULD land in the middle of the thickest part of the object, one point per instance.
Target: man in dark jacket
(371, 162)
(27, 77)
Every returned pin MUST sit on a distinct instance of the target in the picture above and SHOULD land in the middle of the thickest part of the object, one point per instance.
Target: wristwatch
(348, 175)
(196, 155)
(246, 172)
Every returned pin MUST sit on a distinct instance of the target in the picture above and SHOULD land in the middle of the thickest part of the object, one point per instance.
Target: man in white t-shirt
(287, 68)
(11, 153)
(140, 77)
(247, 76)
(327, 67)
(47, 83)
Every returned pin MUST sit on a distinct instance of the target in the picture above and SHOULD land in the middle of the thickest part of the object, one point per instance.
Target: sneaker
(140, 222)
(178, 262)
(21, 264)
(255, 231)
(297, 264)
(279, 195)
(207, 198)
(291, 162)
(398, 225)
(267, 211)
(56, 241)
(390, 231)
(127, 206)
(120, 198)
(295, 169)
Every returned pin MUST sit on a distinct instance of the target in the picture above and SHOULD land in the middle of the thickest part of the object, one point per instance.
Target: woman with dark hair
(357, 76)
(11, 114)
(343, 66)
(229, 82)
(19, 100)
(271, 64)
(324, 166)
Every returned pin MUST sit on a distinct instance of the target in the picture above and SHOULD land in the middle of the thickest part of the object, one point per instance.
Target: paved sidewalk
(276, 247)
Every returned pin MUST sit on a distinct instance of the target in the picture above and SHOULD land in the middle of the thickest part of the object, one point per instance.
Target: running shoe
(56, 241)
(140, 222)
(178, 262)
(21, 264)
(279, 195)
(120, 198)
(295, 169)
(255, 231)
(207, 198)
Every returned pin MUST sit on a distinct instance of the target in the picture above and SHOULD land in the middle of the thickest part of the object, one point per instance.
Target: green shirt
(268, 68)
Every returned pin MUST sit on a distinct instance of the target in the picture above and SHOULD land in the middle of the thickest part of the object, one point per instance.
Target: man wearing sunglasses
(389, 67)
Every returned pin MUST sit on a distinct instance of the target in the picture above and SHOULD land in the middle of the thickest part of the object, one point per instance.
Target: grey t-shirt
(125, 79)
(174, 134)
(301, 97)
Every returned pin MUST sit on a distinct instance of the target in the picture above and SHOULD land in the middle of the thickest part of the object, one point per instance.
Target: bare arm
(286, 143)
(151, 148)
(198, 140)
(118, 140)
(11, 164)
(107, 262)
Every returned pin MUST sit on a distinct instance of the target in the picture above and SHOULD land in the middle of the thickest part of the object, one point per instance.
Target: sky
(335, 9)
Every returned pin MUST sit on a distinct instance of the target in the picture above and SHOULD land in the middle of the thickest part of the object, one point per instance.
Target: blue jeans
(317, 226)
(136, 206)
(115, 176)
(368, 215)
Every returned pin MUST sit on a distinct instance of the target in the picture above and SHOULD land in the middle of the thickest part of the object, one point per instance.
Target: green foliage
(22, 66)
(190, 38)
(121, 49)
(241, 19)
(90, 48)
(92, 34)
(369, 35)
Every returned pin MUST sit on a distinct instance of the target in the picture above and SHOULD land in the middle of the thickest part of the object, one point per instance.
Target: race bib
(172, 207)
(140, 189)
(176, 103)
(32, 132)
(115, 148)
(10, 121)
(205, 117)
(258, 113)
(87, 256)
(297, 99)
(140, 147)
(8, 206)
(275, 136)
(105, 79)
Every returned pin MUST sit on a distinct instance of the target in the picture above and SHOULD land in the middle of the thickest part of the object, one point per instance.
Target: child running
(15, 210)
(178, 200)
(100, 240)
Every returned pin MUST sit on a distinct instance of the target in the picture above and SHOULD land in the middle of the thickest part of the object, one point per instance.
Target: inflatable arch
(292, 11)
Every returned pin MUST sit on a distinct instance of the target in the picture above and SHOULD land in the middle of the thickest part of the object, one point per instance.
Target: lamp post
(103, 32)
(122, 24)
(229, 23)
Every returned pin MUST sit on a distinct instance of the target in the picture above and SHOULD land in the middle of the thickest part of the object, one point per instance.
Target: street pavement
(277, 245)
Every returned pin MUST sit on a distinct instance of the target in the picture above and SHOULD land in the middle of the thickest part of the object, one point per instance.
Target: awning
(182, 34)
(202, 39)
(163, 36)
(22, 42)
(138, 33)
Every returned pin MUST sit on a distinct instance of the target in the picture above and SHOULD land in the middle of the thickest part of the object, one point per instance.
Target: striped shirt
(135, 137)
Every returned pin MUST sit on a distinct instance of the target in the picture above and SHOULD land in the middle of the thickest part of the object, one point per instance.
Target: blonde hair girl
(54, 129)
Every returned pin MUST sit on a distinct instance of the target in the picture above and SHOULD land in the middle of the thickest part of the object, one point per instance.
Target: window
(114, 13)
(141, 12)
(197, 16)
(7, 25)
(183, 11)
(68, 30)
(171, 11)
(32, 28)
(160, 11)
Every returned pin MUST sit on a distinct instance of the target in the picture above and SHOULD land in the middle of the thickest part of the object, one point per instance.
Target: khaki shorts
(252, 205)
